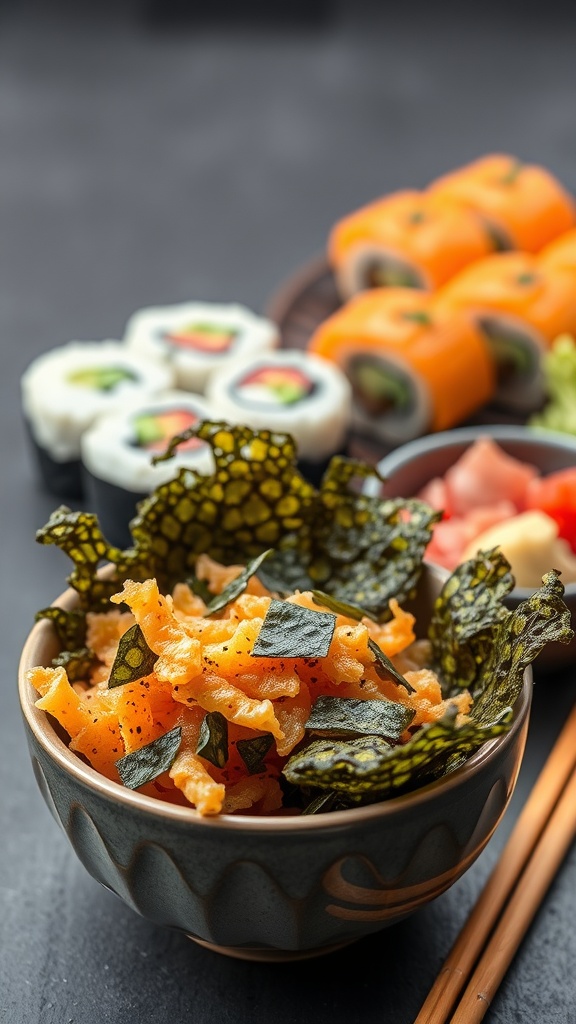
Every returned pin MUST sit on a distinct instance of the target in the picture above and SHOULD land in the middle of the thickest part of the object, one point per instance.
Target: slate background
(147, 156)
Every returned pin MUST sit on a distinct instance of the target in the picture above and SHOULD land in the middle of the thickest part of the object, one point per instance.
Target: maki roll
(117, 453)
(524, 205)
(560, 254)
(412, 369)
(66, 389)
(291, 392)
(520, 306)
(408, 239)
(197, 338)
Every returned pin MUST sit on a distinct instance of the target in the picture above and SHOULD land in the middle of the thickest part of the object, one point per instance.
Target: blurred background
(162, 150)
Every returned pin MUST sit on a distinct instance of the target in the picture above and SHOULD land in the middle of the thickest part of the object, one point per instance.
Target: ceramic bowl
(409, 468)
(273, 888)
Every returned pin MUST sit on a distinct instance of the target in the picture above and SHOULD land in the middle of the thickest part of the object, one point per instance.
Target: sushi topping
(290, 631)
(418, 316)
(511, 175)
(378, 386)
(213, 739)
(274, 385)
(344, 716)
(147, 763)
(154, 430)
(101, 378)
(134, 660)
(211, 339)
(526, 278)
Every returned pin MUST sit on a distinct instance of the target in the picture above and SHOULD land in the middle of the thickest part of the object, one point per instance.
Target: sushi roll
(520, 307)
(524, 205)
(407, 239)
(117, 453)
(66, 389)
(412, 370)
(287, 391)
(197, 338)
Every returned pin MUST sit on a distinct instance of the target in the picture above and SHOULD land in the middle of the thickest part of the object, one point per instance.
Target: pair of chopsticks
(533, 854)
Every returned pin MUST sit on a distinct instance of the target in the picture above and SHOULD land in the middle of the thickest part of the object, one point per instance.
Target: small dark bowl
(409, 468)
(274, 888)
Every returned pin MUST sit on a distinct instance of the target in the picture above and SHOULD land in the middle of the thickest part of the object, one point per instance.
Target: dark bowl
(409, 468)
(273, 888)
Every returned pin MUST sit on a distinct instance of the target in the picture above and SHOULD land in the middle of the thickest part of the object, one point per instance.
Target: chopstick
(524, 902)
(555, 785)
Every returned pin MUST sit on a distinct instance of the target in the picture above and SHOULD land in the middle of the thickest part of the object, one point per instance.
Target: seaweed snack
(290, 391)
(291, 681)
(520, 307)
(524, 205)
(491, 499)
(118, 452)
(407, 239)
(559, 369)
(196, 338)
(412, 369)
(66, 389)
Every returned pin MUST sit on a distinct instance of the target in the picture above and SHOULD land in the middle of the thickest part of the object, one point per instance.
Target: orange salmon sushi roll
(520, 307)
(560, 254)
(412, 370)
(525, 206)
(407, 239)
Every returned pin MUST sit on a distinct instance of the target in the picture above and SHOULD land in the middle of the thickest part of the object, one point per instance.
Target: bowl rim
(40, 724)
(404, 454)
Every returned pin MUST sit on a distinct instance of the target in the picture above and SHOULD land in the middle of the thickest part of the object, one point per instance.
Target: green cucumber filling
(385, 272)
(380, 387)
(513, 352)
(101, 378)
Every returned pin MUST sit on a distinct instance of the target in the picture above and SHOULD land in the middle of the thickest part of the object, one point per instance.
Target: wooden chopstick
(524, 902)
(470, 943)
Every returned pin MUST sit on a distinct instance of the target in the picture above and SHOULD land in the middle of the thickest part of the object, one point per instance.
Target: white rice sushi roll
(291, 392)
(197, 338)
(66, 389)
(117, 453)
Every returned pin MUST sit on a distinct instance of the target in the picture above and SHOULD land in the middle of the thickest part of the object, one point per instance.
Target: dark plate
(299, 306)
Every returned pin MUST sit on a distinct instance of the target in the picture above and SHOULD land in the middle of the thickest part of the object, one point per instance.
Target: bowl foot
(264, 955)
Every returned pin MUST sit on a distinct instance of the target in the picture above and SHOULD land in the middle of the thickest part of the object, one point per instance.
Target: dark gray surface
(139, 169)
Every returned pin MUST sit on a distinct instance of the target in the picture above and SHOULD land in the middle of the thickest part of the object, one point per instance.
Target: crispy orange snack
(205, 666)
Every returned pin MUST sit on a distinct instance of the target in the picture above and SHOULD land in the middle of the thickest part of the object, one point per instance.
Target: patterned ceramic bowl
(409, 468)
(273, 888)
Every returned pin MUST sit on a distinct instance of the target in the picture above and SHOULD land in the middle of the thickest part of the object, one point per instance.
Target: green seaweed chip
(517, 641)
(465, 614)
(134, 660)
(360, 548)
(369, 769)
